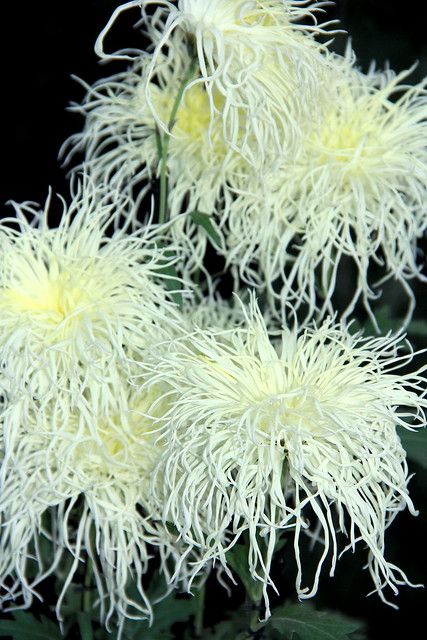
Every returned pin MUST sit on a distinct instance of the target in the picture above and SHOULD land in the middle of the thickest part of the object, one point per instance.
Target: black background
(43, 43)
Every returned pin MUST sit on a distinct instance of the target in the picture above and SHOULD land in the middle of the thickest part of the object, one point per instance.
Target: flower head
(80, 303)
(77, 305)
(256, 55)
(120, 144)
(358, 189)
(282, 433)
(94, 484)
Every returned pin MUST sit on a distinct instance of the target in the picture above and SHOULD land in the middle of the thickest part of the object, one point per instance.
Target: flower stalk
(200, 614)
(163, 142)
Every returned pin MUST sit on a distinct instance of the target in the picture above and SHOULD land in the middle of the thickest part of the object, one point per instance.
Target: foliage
(304, 622)
(24, 626)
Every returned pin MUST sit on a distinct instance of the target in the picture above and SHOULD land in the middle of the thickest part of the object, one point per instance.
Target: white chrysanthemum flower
(78, 303)
(358, 189)
(96, 487)
(120, 144)
(259, 57)
(271, 435)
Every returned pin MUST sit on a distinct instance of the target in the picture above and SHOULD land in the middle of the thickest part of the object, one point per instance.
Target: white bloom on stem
(120, 145)
(358, 190)
(269, 435)
(258, 55)
(94, 486)
(78, 303)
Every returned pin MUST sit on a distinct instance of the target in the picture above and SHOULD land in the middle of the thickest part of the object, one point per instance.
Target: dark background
(42, 45)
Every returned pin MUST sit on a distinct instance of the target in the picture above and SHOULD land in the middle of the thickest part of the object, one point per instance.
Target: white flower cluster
(142, 413)
(80, 305)
(299, 157)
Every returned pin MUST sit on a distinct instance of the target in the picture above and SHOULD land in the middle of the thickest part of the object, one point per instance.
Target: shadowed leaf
(205, 221)
(309, 624)
(415, 445)
(25, 626)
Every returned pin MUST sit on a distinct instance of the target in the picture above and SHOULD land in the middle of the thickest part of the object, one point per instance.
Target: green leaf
(236, 626)
(387, 322)
(165, 613)
(25, 626)
(415, 445)
(384, 319)
(205, 221)
(224, 631)
(418, 328)
(237, 558)
(309, 624)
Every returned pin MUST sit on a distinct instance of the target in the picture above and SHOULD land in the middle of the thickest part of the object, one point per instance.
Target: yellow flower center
(52, 295)
(126, 442)
(194, 114)
(349, 135)
(341, 142)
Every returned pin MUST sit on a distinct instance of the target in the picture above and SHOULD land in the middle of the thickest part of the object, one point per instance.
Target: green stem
(164, 140)
(253, 609)
(87, 596)
(85, 626)
(84, 616)
(200, 614)
(163, 179)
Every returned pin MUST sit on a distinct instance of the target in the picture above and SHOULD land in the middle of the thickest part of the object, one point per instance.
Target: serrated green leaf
(165, 614)
(205, 221)
(309, 624)
(415, 445)
(25, 626)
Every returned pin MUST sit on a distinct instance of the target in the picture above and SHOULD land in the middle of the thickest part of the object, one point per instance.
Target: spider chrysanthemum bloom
(358, 189)
(78, 303)
(120, 145)
(88, 491)
(260, 56)
(297, 433)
